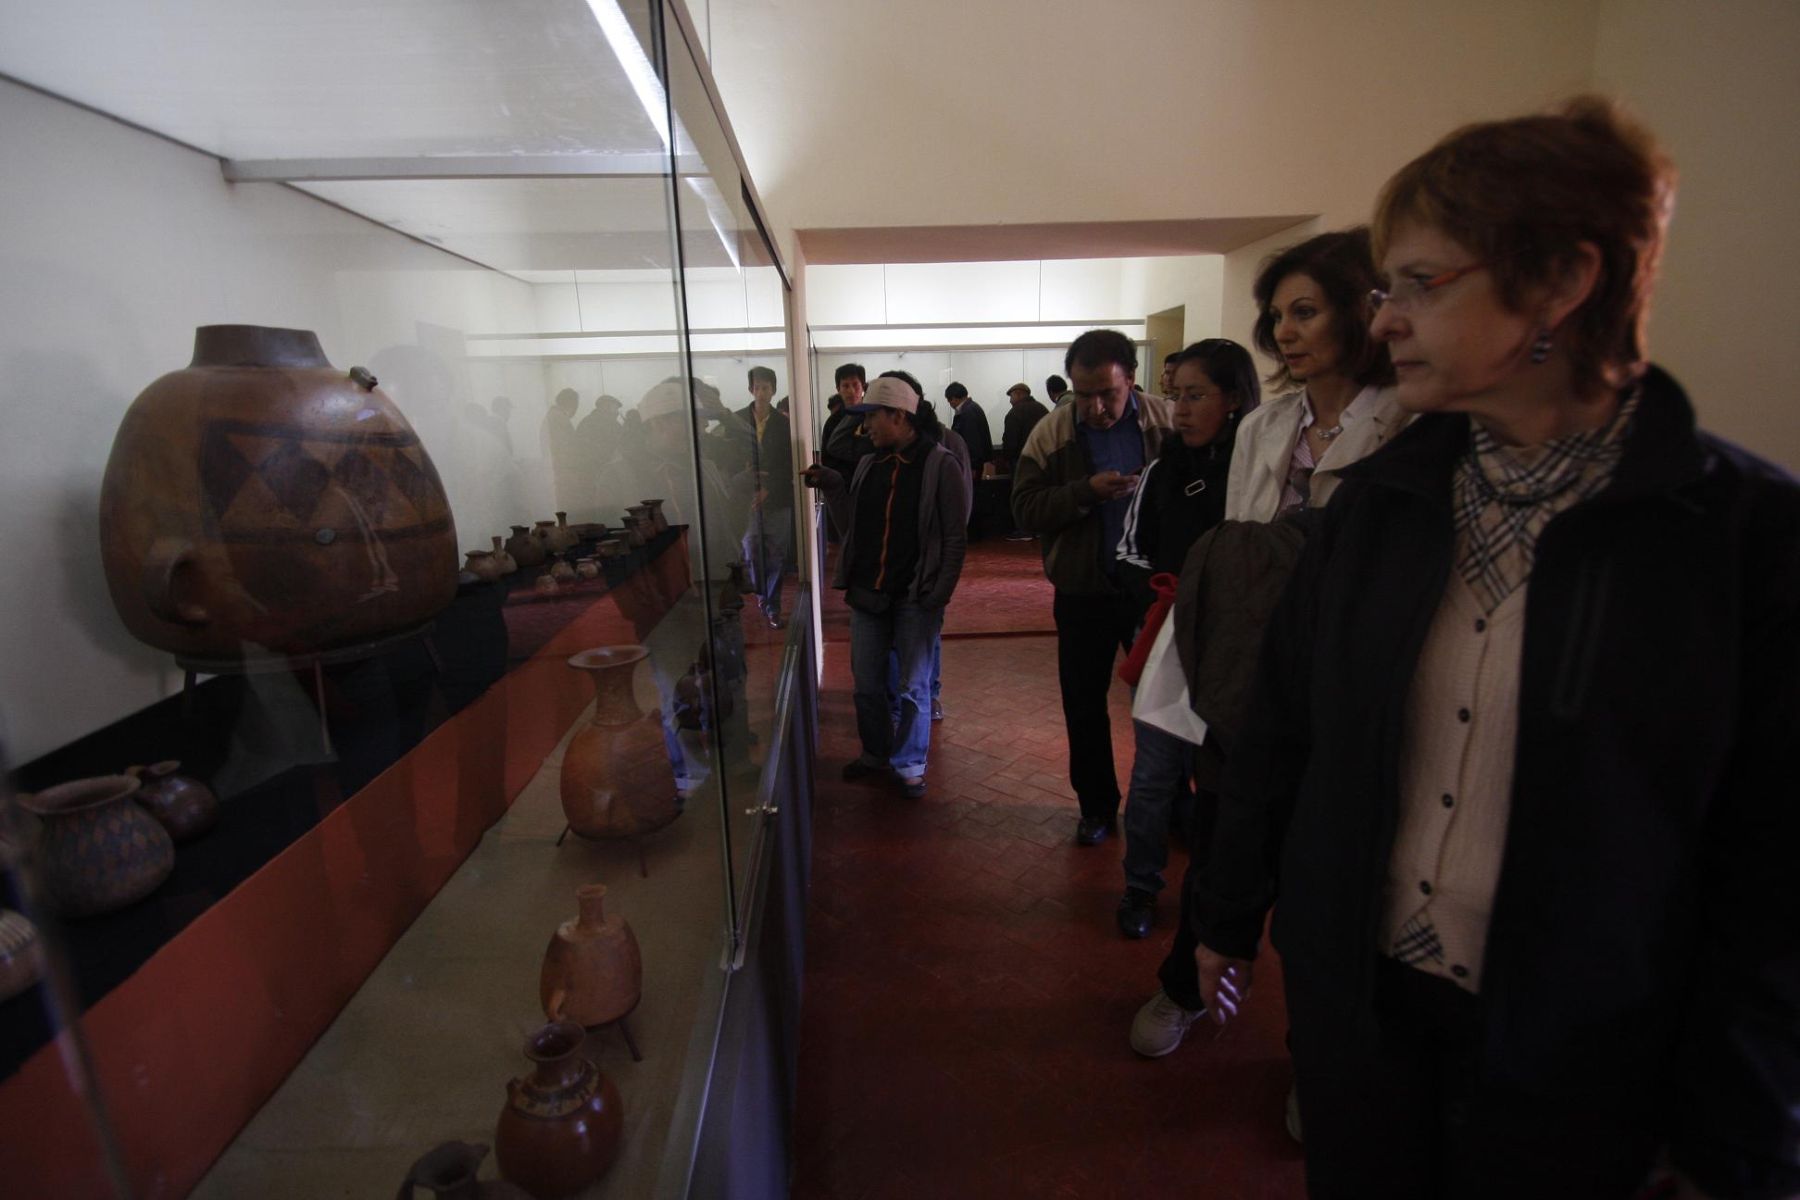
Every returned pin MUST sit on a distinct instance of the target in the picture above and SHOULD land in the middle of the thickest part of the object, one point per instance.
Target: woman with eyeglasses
(1180, 496)
(1517, 785)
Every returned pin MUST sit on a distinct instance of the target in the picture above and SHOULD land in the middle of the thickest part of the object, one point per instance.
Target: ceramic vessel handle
(167, 560)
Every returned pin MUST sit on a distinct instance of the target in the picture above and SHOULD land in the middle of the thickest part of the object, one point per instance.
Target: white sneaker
(1160, 1025)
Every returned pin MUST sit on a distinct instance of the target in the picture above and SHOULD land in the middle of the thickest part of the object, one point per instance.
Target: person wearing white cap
(904, 514)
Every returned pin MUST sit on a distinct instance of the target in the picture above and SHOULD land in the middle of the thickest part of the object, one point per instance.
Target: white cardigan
(1265, 448)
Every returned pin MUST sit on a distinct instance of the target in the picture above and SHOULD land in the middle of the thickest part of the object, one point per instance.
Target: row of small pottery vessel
(21, 955)
(562, 1124)
(616, 779)
(110, 841)
(260, 496)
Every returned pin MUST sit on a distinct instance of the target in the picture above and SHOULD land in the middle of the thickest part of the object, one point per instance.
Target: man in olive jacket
(1071, 486)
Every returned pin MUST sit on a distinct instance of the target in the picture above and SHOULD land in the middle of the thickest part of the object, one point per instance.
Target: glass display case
(408, 684)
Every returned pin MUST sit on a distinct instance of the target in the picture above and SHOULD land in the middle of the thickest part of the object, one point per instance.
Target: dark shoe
(937, 710)
(1137, 912)
(913, 789)
(1091, 831)
(857, 769)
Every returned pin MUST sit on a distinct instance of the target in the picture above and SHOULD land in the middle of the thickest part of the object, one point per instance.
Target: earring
(1540, 346)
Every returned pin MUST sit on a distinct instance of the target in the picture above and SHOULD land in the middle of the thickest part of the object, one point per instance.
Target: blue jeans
(908, 632)
(937, 676)
(765, 548)
(1159, 768)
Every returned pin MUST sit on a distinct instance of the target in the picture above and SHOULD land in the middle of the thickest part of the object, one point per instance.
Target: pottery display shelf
(226, 971)
(423, 1051)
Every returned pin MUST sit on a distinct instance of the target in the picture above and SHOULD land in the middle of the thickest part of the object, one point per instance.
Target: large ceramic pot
(450, 1171)
(181, 804)
(260, 497)
(100, 851)
(593, 971)
(560, 1128)
(616, 778)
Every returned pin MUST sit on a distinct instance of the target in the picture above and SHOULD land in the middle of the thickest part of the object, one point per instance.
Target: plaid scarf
(1503, 498)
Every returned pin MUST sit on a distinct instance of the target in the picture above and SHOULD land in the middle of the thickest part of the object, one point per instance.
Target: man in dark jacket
(1072, 487)
(971, 424)
(1023, 417)
(903, 514)
(767, 452)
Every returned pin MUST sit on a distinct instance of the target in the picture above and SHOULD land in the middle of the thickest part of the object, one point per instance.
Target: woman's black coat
(1644, 945)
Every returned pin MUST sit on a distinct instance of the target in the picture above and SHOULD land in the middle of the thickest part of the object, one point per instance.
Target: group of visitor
(1486, 656)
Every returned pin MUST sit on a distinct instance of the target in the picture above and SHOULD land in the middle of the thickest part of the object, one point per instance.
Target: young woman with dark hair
(1180, 496)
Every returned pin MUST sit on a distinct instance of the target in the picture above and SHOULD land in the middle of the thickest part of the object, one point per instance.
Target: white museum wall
(888, 301)
(1077, 291)
(117, 245)
(1719, 86)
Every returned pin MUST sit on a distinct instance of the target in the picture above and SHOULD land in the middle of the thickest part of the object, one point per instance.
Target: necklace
(1325, 435)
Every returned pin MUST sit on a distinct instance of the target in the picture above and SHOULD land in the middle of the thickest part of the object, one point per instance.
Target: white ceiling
(385, 83)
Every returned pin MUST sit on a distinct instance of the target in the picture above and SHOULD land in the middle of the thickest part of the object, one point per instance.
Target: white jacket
(1265, 448)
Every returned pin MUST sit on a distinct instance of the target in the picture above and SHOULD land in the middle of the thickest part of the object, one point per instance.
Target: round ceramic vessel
(260, 497)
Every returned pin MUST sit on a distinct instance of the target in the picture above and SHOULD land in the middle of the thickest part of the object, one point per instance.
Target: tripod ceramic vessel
(616, 779)
(593, 971)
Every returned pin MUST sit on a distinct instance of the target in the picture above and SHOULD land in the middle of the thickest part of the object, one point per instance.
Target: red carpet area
(967, 995)
(1003, 593)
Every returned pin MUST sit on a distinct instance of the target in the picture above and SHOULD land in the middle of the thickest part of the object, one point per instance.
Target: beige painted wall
(941, 112)
(1720, 85)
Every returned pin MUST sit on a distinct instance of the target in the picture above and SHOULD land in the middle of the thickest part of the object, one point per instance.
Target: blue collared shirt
(1121, 449)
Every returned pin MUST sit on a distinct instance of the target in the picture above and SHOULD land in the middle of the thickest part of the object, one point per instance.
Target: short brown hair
(1343, 266)
(1522, 195)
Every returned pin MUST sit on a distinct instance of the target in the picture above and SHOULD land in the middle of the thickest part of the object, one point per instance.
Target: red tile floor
(967, 996)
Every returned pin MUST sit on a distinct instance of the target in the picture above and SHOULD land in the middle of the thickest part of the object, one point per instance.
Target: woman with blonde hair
(1514, 779)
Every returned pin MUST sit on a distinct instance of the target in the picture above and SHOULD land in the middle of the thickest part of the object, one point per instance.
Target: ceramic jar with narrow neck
(526, 550)
(507, 563)
(560, 1129)
(593, 971)
(616, 780)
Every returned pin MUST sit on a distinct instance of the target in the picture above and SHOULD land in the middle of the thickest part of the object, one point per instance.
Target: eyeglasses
(1407, 294)
(1197, 397)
